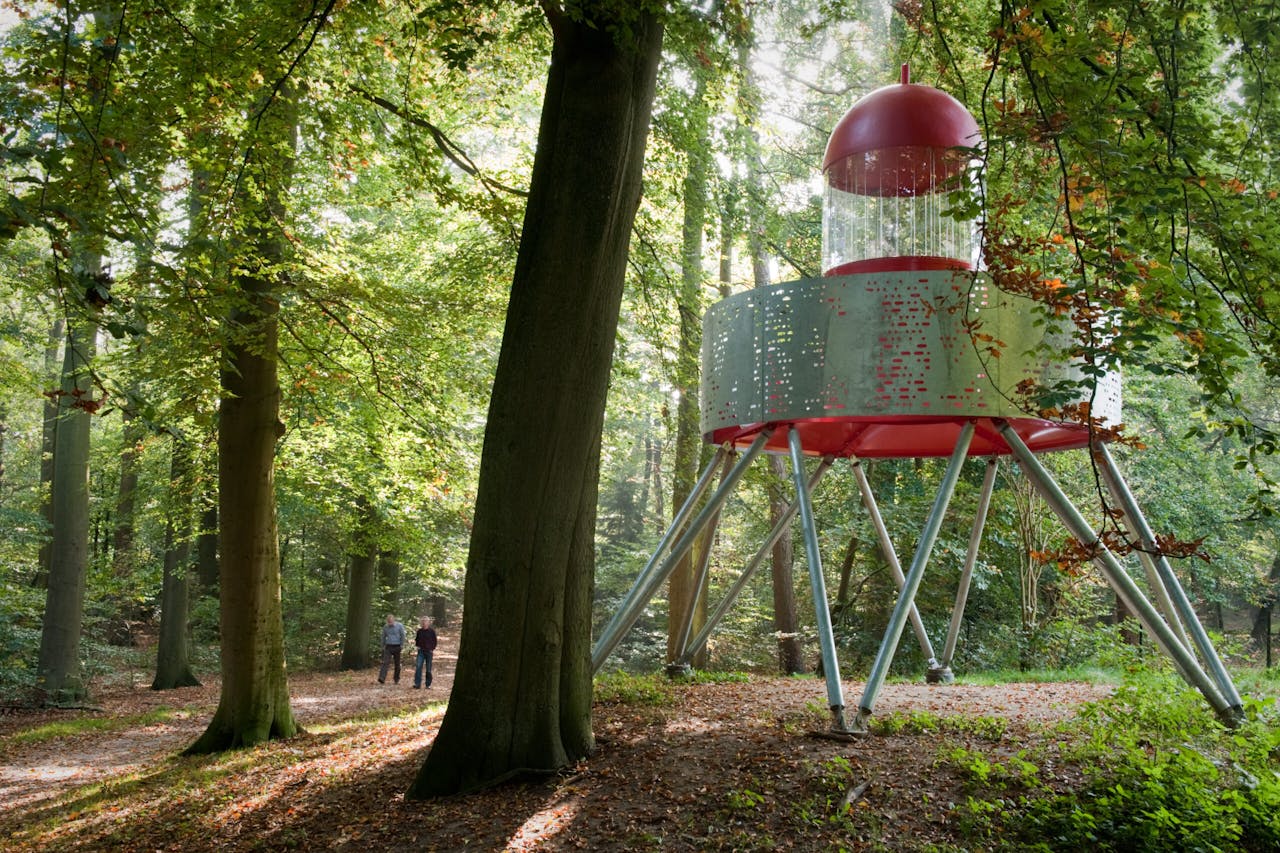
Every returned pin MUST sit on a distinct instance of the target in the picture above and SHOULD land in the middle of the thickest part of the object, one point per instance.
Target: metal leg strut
(1116, 484)
(783, 523)
(891, 557)
(1119, 579)
(898, 619)
(699, 589)
(826, 636)
(654, 574)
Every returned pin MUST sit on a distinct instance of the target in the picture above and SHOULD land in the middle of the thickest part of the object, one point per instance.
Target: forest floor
(715, 766)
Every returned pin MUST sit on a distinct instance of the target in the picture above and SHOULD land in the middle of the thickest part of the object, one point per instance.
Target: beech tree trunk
(49, 434)
(207, 549)
(682, 585)
(173, 652)
(356, 653)
(58, 678)
(521, 699)
(254, 703)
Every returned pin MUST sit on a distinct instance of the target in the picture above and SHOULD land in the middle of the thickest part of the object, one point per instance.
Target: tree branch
(447, 147)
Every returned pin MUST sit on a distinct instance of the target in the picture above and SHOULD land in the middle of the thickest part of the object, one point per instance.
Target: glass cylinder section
(889, 209)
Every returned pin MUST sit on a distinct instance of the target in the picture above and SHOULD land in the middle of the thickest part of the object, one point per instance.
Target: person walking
(392, 640)
(425, 640)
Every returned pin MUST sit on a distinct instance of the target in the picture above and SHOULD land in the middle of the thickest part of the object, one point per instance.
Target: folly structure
(888, 355)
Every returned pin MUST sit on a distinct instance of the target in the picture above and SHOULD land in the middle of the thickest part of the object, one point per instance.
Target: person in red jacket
(425, 640)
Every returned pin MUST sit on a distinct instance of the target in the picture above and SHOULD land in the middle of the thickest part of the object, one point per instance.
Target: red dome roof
(902, 115)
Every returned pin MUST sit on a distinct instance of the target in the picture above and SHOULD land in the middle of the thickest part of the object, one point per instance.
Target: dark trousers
(389, 653)
(423, 663)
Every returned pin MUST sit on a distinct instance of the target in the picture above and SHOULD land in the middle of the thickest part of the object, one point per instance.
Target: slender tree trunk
(48, 435)
(254, 704)
(173, 658)
(356, 652)
(4, 428)
(521, 699)
(785, 621)
(122, 535)
(655, 470)
(58, 677)
(126, 610)
(682, 586)
(1261, 631)
(846, 569)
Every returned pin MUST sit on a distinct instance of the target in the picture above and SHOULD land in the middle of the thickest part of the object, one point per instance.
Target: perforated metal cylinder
(887, 364)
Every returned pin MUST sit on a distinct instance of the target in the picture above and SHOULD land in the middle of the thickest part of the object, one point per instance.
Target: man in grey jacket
(392, 640)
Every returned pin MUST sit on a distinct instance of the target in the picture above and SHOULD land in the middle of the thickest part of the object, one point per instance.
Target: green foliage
(743, 800)
(1159, 773)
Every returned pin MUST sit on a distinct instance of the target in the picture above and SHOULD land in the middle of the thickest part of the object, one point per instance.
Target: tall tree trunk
(655, 471)
(389, 581)
(49, 433)
(356, 641)
(682, 586)
(173, 658)
(207, 548)
(254, 704)
(58, 676)
(521, 697)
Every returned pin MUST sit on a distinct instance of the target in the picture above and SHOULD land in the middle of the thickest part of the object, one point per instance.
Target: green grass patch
(926, 723)
(623, 688)
(85, 725)
(700, 677)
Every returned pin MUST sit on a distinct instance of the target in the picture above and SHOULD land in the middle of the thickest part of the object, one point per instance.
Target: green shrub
(1159, 773)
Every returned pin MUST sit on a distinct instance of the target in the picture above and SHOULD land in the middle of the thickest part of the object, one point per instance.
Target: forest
(320, 310)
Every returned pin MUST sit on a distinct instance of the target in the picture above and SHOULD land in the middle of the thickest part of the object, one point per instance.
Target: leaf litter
(722, 766)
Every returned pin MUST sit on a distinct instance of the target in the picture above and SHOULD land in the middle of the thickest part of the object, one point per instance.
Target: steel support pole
(650, 580)
(699, 588)
(783, 523)
(898, 619)
(826, 635)
(891, 557)
(1170, 584)
(1119, 579)
(970, 559)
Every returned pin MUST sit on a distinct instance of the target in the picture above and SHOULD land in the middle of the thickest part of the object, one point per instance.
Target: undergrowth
(1157, 772)
(623, 688)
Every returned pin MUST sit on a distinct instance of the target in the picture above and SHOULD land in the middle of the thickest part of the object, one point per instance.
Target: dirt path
(731, 766)
(30, 775)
